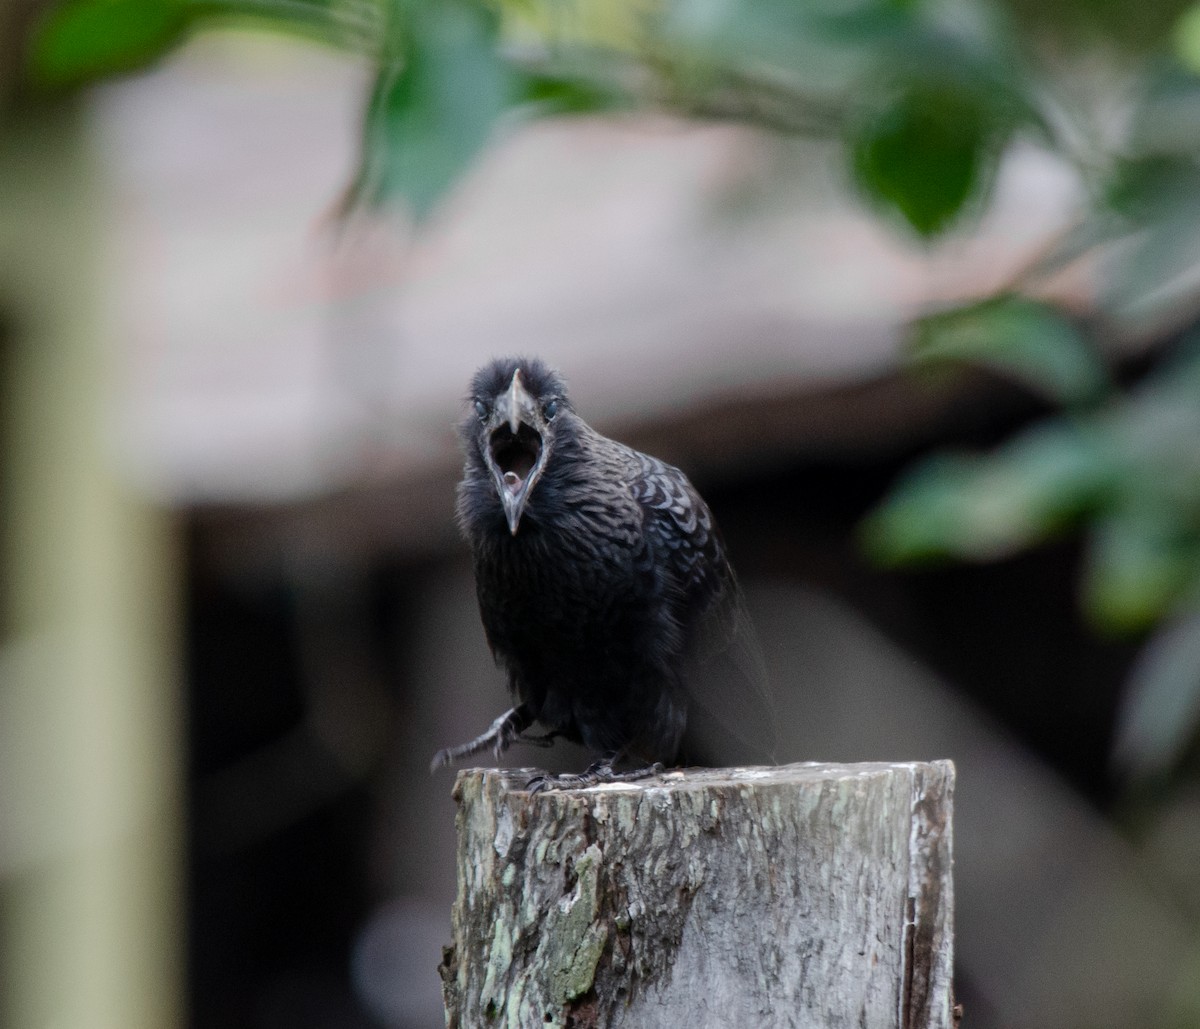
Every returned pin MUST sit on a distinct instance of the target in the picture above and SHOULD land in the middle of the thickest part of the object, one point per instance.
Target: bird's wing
(682, 538)
(725, 671)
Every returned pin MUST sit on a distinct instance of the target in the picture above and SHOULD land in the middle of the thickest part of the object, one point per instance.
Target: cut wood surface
(804, 895)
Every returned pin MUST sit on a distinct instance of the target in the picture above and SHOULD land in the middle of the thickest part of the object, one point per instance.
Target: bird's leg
(500, 735)
(597, 772)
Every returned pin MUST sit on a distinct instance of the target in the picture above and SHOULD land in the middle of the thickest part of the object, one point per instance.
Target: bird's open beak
(516, 448)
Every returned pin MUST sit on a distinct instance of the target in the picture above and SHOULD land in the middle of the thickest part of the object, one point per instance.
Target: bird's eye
(481, 410)
(551, 409)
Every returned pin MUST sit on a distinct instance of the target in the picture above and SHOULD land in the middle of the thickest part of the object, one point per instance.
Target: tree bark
(804, 895)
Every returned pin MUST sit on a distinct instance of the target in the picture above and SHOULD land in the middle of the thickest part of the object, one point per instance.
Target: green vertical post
(90, 911)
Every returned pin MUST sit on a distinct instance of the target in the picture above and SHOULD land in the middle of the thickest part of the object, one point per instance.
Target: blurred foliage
(87, 40)
(436, 105)
(924, 153)
(926, 99)
(1131, 465)
(1026, 340)
(1127, 469)
(927, 96)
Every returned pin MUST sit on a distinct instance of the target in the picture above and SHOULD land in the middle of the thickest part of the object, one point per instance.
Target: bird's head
(517, 407)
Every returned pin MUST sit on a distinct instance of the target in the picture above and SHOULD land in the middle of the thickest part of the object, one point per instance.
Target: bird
(602, 580)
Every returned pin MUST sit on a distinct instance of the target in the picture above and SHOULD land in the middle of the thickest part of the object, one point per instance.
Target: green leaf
(1134, 464)
(926, 154)
(1141, 563)
(1186, 38)
(88, 39)
(983, 508)
(83, 40)
(920, 519)
(1161, 708)
(560, 95)
(1156, 435)
(1147, 188)
(1021, 338)
(1150, 280)
(433, 111)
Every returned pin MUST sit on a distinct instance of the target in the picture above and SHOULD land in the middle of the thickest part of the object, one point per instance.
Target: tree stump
(804, 895)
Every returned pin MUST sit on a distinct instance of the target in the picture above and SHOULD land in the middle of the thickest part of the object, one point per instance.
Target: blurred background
(909, 288)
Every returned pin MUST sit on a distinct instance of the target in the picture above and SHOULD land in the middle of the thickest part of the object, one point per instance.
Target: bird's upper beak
(515, 449)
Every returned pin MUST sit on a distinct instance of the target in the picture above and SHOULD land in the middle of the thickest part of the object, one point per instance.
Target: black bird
(602, 581)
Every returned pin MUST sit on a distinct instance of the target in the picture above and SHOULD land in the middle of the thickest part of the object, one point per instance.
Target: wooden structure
(814, 896)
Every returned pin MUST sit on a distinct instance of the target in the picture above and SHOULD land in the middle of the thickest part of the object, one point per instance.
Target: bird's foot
(501, 734)
(596, 773)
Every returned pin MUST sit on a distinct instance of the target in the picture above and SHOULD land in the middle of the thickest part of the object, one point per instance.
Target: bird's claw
(538, 783)
(596, 773)
(506, 730)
